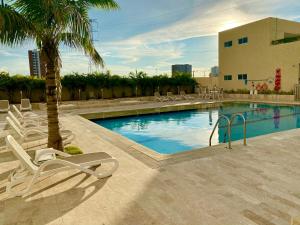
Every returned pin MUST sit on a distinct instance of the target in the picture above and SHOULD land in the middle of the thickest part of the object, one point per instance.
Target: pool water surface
(174, 132)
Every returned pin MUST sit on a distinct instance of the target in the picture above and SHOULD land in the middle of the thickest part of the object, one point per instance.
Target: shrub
(73, 150)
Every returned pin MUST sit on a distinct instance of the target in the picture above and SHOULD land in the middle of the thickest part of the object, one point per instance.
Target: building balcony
(286, 40)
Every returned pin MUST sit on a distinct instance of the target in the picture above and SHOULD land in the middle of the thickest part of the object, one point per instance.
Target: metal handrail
(245, 126)
(228, 128)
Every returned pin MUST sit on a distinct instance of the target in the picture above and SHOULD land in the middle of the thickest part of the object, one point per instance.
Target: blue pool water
(185, 130)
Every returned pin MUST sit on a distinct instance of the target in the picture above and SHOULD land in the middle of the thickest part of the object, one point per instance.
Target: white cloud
(201, 22)
(131, 53)
(208, 21)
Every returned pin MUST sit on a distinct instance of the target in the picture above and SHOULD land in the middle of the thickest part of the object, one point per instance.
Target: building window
(243, 40)
(228, 44)
(242, 77)
(227, 77)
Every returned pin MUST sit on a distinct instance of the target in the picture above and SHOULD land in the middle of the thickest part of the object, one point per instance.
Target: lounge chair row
(24, 106)
(171, 97)
(30, 132)
(205, 93)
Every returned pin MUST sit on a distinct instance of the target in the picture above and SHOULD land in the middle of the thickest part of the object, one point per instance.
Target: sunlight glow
(228, 25)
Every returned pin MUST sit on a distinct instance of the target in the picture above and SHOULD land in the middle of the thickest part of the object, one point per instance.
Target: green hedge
(12, 85)
(98, 80)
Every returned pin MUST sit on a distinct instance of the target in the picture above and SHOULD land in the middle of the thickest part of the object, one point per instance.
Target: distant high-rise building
(181, 68)
(214, 71)
(37, 65)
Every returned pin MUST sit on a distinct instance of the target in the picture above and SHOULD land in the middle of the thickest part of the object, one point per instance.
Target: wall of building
(259, 59)
(209, 82)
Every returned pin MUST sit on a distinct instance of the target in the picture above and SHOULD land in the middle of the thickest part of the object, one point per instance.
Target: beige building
(254, 52)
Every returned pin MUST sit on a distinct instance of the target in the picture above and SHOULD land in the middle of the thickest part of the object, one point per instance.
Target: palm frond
(103, 4)
(14, 27)
(83, 43)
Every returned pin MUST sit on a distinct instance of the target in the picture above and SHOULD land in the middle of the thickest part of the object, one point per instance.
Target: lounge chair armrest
(54, 151)
(37, 131)
(60, 162)
(83, 168)
(30, 123)
(34, 117)
(49, 151)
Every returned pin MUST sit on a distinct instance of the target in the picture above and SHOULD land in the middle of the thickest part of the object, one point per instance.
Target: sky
(152, 35)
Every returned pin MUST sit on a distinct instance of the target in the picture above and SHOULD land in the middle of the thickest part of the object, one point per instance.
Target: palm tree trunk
(51, 55)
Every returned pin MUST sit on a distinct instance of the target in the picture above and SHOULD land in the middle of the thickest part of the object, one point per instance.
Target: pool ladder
(229, 126)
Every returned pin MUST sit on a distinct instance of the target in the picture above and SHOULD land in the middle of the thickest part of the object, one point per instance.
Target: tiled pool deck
(256, 184)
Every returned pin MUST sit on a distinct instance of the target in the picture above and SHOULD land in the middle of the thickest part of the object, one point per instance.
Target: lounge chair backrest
(14, 119)
(169, 93)
(17, 111)
(25, 103)
(4, 104)
(156, 94)
(21, 154)
(14, 127)
(202, 90)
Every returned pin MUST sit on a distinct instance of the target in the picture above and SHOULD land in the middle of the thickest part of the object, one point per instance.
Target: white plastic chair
(27, 115)
(4, 106)
(185, 96)
(173, 97)
(160, 98)
(29, 171)
(34, 137)
(25, 105)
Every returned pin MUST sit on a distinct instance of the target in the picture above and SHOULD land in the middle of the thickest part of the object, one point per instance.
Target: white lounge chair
(4, 106)
(201, 93)
(35, 137)
(208, 94)
(24, 115)
(159, 97)
(185, 96)
(173, 97)
(221, 93)
(29, 170)
(28, 123)
(25, 105)
(30, 116)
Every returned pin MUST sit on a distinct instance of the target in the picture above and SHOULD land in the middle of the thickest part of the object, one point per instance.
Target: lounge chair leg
(19, 176)
(14, 182)
(111, 171)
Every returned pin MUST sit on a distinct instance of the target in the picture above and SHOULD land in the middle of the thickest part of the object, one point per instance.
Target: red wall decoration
(277, 86)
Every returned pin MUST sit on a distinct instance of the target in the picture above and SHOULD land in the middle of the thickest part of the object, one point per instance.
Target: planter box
(262, 97)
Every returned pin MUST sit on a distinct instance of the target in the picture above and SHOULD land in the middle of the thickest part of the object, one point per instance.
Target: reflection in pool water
(185, 130)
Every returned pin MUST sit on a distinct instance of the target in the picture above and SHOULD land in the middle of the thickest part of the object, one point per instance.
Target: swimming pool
(174, 132)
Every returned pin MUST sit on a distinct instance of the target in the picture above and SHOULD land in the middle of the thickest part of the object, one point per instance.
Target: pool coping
(151, 110)
(135, 149)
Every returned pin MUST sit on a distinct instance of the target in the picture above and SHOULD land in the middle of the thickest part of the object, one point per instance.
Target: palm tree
(137, 74)
(51, 23)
